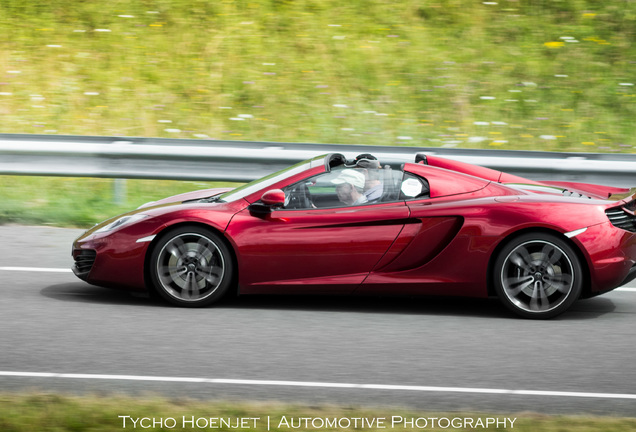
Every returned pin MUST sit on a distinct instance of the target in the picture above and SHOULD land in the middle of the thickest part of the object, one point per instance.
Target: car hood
(151, 217)
(204, 193)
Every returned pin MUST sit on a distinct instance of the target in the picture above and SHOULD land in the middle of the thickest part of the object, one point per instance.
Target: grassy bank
(46, 412)
(511, 74)
(81, 202)
(518, 74)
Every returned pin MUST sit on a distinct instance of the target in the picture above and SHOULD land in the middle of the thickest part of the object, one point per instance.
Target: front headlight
(124, 220)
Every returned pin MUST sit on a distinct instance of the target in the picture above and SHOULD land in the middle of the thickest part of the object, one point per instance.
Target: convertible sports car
(338, 226)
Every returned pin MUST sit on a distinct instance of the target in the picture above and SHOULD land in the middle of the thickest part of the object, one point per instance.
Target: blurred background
(555, 75)
(549, 75)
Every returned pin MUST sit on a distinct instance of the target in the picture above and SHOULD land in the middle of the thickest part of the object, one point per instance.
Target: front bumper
(112, 260)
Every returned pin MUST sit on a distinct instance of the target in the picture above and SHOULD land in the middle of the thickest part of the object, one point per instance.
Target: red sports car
(338, 226)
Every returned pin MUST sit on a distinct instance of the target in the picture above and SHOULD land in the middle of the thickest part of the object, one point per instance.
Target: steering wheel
(299, 197)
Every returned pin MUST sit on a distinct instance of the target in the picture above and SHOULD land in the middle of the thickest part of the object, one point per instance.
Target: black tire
(191, 266)
(538, 276)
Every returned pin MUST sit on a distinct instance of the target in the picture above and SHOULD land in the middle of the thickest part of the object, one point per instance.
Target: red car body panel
(609, 252)
(121, 258)
(598, 191)
(475, 170)
(440, 244)
(297, 250)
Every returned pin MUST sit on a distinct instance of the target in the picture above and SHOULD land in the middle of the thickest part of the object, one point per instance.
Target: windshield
(264, 182)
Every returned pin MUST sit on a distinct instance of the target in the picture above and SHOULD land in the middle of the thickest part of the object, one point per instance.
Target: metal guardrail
(240, 161)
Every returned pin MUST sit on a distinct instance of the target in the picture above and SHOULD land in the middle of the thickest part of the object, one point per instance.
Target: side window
(338, 188)
(414, 187)
(345, 186)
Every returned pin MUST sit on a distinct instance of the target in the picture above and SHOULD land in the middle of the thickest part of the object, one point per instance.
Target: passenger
(373, 186)
(350, 187)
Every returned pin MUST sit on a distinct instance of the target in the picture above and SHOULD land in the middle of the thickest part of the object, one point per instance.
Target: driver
(350, 187)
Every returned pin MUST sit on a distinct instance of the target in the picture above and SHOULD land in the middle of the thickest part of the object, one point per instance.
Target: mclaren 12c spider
(330, 225)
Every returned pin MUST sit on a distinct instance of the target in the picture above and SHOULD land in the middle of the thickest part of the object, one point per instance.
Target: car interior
(320, 191)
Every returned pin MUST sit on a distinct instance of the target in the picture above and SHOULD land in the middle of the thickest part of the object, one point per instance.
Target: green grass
(554, 75)
(81, 202)
(61, 413)
(550, 75)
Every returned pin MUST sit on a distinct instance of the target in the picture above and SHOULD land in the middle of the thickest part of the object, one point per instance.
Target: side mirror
(273, 198)
(269, 200)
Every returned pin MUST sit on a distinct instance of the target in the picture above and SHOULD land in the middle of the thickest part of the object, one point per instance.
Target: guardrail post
(119, 191)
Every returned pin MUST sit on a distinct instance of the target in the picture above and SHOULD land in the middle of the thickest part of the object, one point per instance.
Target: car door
(313, 250)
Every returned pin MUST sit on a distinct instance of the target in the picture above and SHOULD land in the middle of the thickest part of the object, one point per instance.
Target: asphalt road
(58, 333)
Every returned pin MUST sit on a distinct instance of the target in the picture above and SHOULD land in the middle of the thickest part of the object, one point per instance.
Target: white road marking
(333, 385)
(36, 269)
(68, 270)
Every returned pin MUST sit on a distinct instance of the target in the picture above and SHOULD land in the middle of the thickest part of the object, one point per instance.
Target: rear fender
(583, 258)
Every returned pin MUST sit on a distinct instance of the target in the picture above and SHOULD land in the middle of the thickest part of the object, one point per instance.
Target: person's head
(371, 167)
(349, 185)
(365, 157)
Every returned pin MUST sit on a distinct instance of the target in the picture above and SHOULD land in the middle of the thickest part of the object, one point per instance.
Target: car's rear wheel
(191, 266)
(538, 275)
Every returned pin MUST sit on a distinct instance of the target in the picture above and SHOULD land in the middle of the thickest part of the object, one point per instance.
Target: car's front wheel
(538, 275)
(191, 266)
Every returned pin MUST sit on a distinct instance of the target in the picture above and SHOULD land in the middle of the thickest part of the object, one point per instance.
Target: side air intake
(620, 218)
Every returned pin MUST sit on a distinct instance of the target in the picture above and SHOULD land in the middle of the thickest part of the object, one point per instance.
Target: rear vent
(569, 193)
(621, 219)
